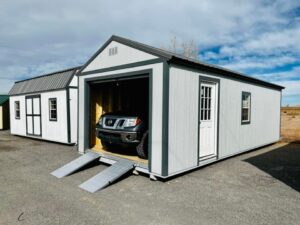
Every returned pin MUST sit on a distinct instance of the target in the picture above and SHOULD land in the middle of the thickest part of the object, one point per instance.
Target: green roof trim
(3, 99)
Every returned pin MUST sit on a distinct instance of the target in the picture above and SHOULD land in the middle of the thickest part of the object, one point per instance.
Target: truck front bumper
(118, 137)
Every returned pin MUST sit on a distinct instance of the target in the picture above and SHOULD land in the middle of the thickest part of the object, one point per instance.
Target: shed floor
(119, 153)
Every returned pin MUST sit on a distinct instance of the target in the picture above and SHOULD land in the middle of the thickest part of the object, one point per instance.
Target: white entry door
(208, 120)
(33, 115)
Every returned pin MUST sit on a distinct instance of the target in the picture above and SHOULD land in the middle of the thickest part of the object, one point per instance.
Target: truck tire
(142, 148)
(106, 145)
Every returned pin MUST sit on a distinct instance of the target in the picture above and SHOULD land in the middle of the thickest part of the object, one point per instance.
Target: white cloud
(246, 63)
(291, 88)
(273, 42)
(293, 74)
(42, 36)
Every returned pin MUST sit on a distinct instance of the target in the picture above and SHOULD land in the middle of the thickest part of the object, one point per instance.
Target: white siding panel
(51, 130)
(233, 136)
(124, 55)
(157, 102)
(17, 126)
(54, 130)
(36, 106)
(74, 81)
(73, 114)
(37, 128)
(29, 124)
(156, 111)
(81, 115)
(265, 117)
(183, 120)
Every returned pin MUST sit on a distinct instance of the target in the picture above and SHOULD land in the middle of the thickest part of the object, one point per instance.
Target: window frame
(17, 117)
(206, 103)
(49, 102)
(243, 122)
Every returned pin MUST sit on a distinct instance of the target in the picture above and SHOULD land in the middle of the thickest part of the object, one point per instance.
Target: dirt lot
(260, 187)
(290, 123)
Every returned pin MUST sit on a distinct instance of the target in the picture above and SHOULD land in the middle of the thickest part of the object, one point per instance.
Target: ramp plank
(107, 176)
(75, 165)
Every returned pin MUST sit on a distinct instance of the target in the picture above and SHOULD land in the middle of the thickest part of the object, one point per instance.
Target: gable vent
(113, 51)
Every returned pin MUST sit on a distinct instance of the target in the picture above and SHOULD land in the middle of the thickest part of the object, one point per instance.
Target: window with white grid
(246, 107)
(205, 114)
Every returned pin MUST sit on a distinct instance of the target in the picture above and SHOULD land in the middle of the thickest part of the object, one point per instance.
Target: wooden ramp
(76, 164)
(108, 176)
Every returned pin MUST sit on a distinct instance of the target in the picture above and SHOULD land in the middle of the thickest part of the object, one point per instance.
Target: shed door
(208, 119)
(33, 115)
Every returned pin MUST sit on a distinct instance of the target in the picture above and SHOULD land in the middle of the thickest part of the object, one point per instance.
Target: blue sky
(259, 37)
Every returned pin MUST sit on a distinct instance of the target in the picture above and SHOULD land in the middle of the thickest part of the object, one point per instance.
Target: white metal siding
(233, 136)
(54, 130)
(51, 130)
(124, 55)
(17, 126)
(156, 111)
(74, 82)
(73, 114)
(82, 115)
(265, 117)
(183, 117)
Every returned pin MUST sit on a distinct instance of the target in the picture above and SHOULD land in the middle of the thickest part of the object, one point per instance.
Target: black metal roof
(179, 59)
(48, 82)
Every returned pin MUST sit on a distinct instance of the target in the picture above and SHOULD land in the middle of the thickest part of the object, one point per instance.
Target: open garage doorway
(119, 117)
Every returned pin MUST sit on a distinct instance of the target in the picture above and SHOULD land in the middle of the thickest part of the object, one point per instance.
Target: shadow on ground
(282, 163)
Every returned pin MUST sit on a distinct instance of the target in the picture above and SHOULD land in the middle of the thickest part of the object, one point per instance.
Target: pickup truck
(123, 129)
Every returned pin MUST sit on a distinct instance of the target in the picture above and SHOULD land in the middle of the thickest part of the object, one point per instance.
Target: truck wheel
(142, 148)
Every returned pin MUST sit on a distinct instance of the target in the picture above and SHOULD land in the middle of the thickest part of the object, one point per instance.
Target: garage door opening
(123, 105)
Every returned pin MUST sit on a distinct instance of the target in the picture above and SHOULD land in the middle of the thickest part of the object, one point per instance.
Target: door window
(205, 103)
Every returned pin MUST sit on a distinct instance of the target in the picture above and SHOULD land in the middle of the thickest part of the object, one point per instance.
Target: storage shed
(45, 107)
(4, 112)
(198, 113)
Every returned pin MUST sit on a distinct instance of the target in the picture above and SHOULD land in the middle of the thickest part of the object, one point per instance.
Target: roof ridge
(174, 55)
(49, 74)
(164, 51)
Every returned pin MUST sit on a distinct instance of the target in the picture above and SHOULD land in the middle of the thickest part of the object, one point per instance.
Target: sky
(260, 38)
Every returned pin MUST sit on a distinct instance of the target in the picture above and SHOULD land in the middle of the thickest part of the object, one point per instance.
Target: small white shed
(45, 107)
(198, 113)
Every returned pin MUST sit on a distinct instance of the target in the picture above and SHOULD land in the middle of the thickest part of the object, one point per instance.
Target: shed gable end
(115, 54)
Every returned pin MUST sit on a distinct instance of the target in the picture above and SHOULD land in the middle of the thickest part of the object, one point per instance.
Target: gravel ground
(259, 187)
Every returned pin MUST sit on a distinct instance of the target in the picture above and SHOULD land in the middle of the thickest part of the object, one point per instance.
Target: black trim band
(165, 121)
(68, 114)
(125, 66)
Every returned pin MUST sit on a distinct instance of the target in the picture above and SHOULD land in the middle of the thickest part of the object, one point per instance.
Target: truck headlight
(100, 121)
(132, 122)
